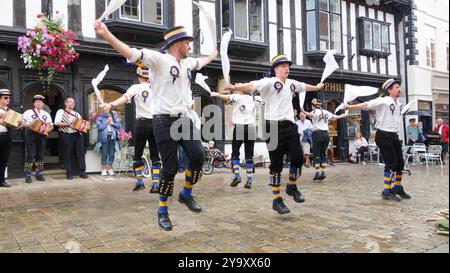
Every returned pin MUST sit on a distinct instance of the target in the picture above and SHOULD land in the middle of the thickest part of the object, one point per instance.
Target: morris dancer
(172, 72)
(388, 111)
(142, 94)
(277, 92)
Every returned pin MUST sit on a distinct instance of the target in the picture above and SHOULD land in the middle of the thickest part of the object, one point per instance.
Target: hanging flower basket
(48, 48)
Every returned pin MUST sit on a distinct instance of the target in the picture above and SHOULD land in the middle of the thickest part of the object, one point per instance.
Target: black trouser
(243, 134)
(288, 143)
(143, 132)
(391, 150)
(35, 145)
(320, 140)
(168, 146)
(73, 145)
(361, 152)
(5, 147)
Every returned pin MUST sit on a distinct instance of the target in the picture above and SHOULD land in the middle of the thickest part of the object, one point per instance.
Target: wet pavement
(343, 214)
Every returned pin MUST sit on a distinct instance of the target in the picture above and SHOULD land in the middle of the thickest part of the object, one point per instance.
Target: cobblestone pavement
(343, 214)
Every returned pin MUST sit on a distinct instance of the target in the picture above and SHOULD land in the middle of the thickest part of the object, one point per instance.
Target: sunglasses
(6, 97)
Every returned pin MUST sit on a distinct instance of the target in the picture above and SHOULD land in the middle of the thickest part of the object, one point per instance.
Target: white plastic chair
(407, 155)
(373, 151)
(419, 149)
(433, 155)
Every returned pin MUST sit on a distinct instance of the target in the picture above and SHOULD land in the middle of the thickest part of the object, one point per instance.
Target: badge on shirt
(278, 86)
(189, 74)
(242, 108)
(145, 95)
(175, 73)
(392, 107)
(293, 87)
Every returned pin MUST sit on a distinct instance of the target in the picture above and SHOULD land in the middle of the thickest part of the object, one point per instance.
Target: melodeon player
(38, 124)
(5, 138)
(71, 134)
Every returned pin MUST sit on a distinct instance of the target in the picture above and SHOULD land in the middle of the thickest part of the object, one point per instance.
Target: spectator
(442, 129)
(414, 133)
(108, 123)
(361, 146)
(305, 129)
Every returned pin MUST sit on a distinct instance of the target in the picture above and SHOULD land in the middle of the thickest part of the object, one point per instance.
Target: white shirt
(302, 126)
(440, 129)
(244, 109)
(320, 119)
(388, 113)
(172, 80)
(278, 102)
(361, 142)
(143, 96)
(29, 116)
(62, 116)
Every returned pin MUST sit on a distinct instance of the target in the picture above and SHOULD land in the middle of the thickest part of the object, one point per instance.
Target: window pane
(368, 35)
(130, 10)
(323, 5)
(336, 32)
(241, 19)
(385, 38)
(225, 14)
(376, 36)
(335, 6)
(152, 11)
(108, 95)
(256, 21)
(311, 31)
(323, 30)
(310, 4)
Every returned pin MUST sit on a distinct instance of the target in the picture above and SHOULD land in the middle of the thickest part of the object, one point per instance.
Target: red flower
(40, 15)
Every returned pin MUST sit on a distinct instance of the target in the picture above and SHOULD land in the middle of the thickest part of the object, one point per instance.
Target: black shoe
(164, 221)
(28, 179)
(298, 196)
(322, 177)
(84, 176)
(139, 187)
(279, 206)
(190, 203)
(390, 196)
(4, 185)
(248, 185)
(154, 189)
(316, 177)
(69, 177)
(236, 181)
(401, 192)
(40, 178)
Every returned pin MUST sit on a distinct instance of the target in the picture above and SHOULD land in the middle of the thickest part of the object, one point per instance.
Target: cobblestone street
(343, 214)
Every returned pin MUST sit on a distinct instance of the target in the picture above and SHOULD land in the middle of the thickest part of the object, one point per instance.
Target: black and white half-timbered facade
(369, 36)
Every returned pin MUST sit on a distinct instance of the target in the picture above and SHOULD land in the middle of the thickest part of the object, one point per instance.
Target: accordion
(81, 125)
(11, 119)
(41, 127)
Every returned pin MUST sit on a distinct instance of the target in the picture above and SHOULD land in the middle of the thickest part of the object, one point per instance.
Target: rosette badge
(175, 73)
(278, 86)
